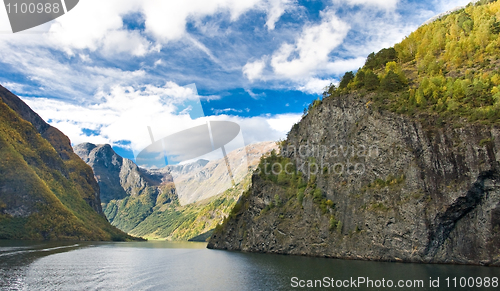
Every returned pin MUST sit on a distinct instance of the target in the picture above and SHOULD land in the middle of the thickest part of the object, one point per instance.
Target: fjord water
(190, 266)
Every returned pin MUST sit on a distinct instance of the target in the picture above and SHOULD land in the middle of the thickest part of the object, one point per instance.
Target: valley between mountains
(149, 202)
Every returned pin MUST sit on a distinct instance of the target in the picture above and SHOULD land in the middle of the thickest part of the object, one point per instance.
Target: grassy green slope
(128, 213)
(38, 197)
(176, 222)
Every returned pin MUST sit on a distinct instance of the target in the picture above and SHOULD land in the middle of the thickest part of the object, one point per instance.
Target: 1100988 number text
(472, 282)
(33, 8)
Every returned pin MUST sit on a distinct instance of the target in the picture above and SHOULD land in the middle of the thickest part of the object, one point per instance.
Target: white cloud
(85, 58)
(125, 112)
(255, 95)
(263, 128)
(158, 63)
(315, 85)
(384, 4)
(71, 78)
(308, 57)
(13, 86)
(311, 49)
(123, 41)
(204, 49)
(253, 70)
(276, 9)
(95, 24)
(338, 67)
(122, 114)
(97, 44)
(283, 122)
(166, 20)
(227, 110)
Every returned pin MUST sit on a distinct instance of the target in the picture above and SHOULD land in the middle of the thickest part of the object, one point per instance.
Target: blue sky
(106, 69)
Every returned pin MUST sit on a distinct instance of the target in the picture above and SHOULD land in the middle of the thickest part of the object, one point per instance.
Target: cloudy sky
(106, 70)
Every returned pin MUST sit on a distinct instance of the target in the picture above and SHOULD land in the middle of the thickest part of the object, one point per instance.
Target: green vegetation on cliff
(39, 198)
(448, 69)
(291, 188)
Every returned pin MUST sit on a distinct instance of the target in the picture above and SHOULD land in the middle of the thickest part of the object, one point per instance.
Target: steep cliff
(378, 186)
(128, 193)
(399, 163)
(46, 191)
(117, 177)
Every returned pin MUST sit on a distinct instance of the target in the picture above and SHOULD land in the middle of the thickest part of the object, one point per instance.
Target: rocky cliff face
(123, 185)
(117, 177)
(374, 185)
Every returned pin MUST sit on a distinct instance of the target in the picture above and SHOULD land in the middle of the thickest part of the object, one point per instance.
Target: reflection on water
(190, 266)
(16, 256)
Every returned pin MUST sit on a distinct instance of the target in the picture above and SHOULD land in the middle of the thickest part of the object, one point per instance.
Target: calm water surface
(190, 266)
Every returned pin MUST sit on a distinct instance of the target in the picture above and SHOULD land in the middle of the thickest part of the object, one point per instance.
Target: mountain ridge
(46, 191)
(89, 189)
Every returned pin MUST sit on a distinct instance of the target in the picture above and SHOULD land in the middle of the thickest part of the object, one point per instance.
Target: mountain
(117, 177)
(195, 221)
(147, 202)
(46, 191)
(212, 179)
(128, 192)
(400, 162)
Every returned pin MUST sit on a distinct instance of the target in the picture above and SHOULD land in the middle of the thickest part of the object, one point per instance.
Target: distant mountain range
(149, 203)
(46, 191)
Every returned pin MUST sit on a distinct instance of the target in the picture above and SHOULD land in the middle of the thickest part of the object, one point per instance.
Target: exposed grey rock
(445, 207)
(117, 177)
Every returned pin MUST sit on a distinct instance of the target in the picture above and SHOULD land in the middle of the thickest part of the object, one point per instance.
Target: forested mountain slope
(46, 191)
